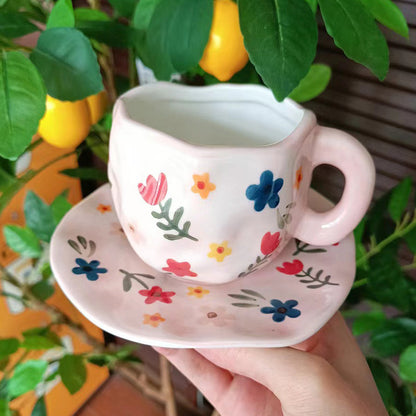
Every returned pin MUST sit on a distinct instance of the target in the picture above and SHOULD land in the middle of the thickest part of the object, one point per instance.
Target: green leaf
(60, 206)
(43, 290)
(14, 25)
(356, 33)
(22, 103)
(7, 173)
(68, 64)
(410, 239)
(73, 372)
(8, 346)
(399, 199)
(27, 376)
(389, 15)
(84, 13)
(313, 84)
(367, 322)
(62, 15)
(4, 362)
(4, 388)
(3, 2)
(111, 33)
(280, 37)
(40, 407)
(313, 4)
(22, 240)
(177, 35)
(383, 381)
(124, 7)
(394, 336)
(98, 147)
(38, 342)
(39, 217)
(86, 173)
(407, 364)
(4, 408)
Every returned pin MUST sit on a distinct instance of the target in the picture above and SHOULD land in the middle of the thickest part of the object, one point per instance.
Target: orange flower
(219, 251)
(198, 292)
(299, 178)
(202, 185)
(153, 320)
(104, 208)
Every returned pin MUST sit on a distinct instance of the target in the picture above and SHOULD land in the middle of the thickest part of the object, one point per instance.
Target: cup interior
(223, 115)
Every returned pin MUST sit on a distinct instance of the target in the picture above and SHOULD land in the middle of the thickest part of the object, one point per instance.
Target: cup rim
(259, 93)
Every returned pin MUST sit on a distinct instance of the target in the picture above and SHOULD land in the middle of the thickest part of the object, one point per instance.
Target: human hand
(326, 375)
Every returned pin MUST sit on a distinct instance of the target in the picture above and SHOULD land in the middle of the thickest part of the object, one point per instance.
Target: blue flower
(280, 310)
(91, 269)
(267, 192)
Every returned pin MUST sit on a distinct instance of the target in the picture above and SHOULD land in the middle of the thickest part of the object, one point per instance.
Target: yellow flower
(198, 292)
(202, 185)
(219, 251)
(104, 208)
(153, 320)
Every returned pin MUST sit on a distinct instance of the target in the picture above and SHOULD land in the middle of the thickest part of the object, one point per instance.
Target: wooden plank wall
(382, 115)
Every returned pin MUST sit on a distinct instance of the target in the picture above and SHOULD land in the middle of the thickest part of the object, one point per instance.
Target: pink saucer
(279, 305)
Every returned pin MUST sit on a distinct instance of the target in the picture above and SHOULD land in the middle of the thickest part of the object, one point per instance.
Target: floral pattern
(155, 190)
(266, 193)
(153, 320)
(157, 294)
(180, 269)
(269, 243)
(104, 208)
(281, 309)
(202, 185)
(90, 269)
(293, 267)
(298, 178)
(198, 292)
(219, 251)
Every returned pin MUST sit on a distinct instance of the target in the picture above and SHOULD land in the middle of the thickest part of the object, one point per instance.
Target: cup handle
(337, 148)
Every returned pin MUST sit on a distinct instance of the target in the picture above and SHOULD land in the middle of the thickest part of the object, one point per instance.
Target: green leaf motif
(389, 15)
(407, 364)
(84, 13)
(280, 37)
(86, 174)
(73, 372)
(14, 25)
(253, 293)
(177, 35)
(394, 336)
(367, 322)
(22, 240)
(60, 206)
(68, 64)
(39, 408)
(8, 346)
(22, 103)
(399, 199)
(241, 297)
(39, 217)
(354, 30)
(62, 15)
(26, 377)
(315, 83)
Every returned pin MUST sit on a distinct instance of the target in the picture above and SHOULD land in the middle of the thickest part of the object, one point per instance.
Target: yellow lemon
(97, 104)
(225, 53)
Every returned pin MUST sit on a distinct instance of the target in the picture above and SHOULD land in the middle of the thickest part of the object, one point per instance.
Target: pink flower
(291, 268)
(179, 269)
(270, 242)
(156, 294)
(154, 191)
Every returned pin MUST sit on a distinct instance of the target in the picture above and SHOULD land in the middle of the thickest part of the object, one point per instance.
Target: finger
(229, 395)
(336, 344)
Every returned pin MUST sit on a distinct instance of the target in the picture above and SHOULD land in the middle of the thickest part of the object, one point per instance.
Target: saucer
(282, 304)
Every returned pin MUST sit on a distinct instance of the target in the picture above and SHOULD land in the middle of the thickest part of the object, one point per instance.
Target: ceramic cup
(210, 183)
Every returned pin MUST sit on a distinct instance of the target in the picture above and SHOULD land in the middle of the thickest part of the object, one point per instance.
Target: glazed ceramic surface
(207, 180)
(281, 304)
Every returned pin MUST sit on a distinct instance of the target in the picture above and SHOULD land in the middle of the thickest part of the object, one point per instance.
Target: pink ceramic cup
(207, 181)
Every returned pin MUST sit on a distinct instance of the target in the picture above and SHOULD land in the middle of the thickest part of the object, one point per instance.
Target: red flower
(291, 268)
(154, 191)
(270, 242)
(179, 269)
(157, 294)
